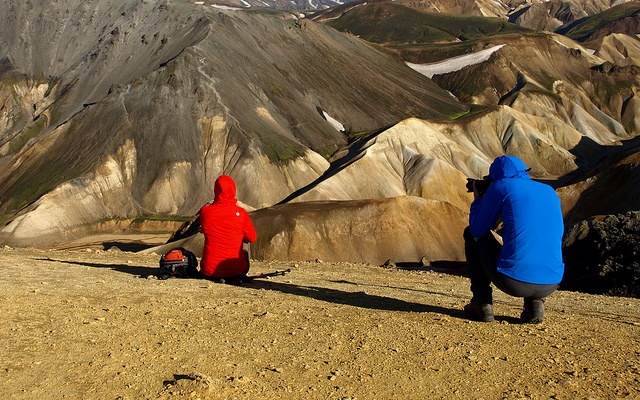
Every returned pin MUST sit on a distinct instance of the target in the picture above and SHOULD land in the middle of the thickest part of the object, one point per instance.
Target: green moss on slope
(28, 133)
(281, 150)
(394, 24)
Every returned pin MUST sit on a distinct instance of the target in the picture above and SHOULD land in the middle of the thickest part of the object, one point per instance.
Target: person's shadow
(137, 270)
(355, 299)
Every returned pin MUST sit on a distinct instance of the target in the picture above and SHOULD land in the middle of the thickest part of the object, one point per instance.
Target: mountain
(345, 148)
(537, 95)
(370, 230)
(392, 23)
(549, 15)
(287, 5)
(620, 49)
(623, 18)
(120, 110)
(495, 63)
(533, 14)
(414, 161)
(549, 75)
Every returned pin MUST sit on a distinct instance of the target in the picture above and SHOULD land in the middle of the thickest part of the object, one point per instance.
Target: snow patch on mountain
(333, 122)
(454, 63)
(223, 7)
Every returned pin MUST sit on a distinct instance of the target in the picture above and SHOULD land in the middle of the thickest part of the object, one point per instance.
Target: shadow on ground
(354, 299)
(458, 268)
(359, 299)
(137, 270)
(436, 293)
(133, 247)
(457, 314)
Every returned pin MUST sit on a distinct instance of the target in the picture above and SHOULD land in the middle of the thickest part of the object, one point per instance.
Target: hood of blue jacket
(508, 167)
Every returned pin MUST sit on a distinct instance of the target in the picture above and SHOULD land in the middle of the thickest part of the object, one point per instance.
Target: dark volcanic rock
(602, 255)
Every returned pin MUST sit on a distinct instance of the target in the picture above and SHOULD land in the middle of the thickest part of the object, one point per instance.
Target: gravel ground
(87, 325)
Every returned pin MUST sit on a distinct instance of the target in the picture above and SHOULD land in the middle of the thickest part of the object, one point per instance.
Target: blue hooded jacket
(532, 219)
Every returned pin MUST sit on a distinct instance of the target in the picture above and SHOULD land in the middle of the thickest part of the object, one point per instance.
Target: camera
(481, 184)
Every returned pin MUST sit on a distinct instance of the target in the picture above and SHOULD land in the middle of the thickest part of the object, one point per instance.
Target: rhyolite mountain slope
(546, 98)
(623, 18)
(489, 61)
(404, 228)
(420, 168)
(548, 75)
(494, 63)
(346, 149)
(414, 161)
(549, 15)
(535, 14)
(398, 23)
(126, 109)
(620, 49)
(286, 5)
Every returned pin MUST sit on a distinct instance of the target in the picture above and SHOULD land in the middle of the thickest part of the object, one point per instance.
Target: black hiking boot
(533, 311)
(479, 312)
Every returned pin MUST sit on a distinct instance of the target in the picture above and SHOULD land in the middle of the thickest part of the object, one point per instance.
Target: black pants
(482, 258)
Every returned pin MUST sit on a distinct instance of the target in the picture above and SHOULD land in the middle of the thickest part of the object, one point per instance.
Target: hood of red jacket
(225, 190)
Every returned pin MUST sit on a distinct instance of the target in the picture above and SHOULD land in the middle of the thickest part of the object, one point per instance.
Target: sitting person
(529, 263)
(225, 227)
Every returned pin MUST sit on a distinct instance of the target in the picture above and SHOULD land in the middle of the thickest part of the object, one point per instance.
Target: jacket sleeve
(202, 220)
(485, 211)
(248, 230)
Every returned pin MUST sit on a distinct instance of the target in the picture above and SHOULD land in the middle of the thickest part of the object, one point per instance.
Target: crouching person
(528, 263)
(226, 227)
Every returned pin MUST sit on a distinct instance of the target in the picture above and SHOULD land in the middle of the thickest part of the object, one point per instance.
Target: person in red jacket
(225, 227)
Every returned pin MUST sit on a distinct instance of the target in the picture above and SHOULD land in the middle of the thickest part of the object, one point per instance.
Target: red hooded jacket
(225, 227)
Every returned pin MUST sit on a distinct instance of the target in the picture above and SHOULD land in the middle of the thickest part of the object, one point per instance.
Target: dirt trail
(83, 325)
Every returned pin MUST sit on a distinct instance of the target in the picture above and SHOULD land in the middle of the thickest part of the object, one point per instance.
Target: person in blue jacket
(529, 262)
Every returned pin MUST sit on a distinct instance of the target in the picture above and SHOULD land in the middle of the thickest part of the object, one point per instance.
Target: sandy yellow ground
(84, 325)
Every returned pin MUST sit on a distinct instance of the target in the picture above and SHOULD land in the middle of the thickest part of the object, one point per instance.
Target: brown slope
(400, 229)
(560, 109)
(477, 8)
(620, 49)
(533, 14)
(623, 18)
(430, 159)
(551, 14)
(541, 73)
(548, 75)
(403, 229)
(396, 23)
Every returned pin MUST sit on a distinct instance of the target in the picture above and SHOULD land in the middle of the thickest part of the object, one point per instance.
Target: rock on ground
(603, 255)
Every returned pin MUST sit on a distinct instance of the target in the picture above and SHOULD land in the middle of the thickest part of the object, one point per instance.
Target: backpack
(178, 263)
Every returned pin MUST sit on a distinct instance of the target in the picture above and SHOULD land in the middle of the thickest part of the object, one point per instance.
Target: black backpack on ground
(178, 263)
